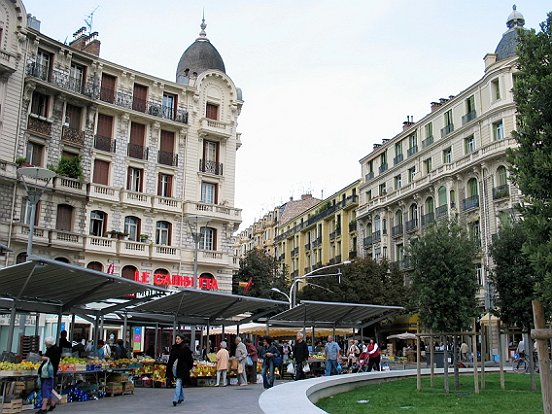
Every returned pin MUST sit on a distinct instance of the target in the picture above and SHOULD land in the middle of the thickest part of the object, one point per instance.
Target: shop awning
(50, 286)
(333, 314)
(217, 308)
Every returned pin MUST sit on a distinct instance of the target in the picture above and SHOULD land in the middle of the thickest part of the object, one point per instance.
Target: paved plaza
(159, 401)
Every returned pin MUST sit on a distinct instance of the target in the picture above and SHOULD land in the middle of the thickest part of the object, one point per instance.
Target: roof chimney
(409, 122)
(435, 106)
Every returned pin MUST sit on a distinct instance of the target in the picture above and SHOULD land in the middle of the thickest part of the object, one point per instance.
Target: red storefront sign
(159, 279)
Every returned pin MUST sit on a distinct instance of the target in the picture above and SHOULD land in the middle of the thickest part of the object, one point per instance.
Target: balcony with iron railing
(62, 79)
(316, 242)
(470, 203)
(383, 168)
(335, 234)
(367, 242)
(502, 191)
(412, 150)
(295, 251)
(376, 236)
(405, 263)
(468, 117)
(107, 95)
(412, 225)
(167, 158)
(441, 211)
(352, 254)
(107, 144)
(428, 218)
(307, 246)
(447, 130)
(398, 158)
(137, 151)
(39, 125)
(352, 226)
(36, 70)
(397, 230)
(139, 104)
(72, 136)
(211, 167)
(369, 176)
(427, 142)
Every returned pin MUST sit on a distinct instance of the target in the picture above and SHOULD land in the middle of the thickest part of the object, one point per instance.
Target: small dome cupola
(199, 57)
(507, 46)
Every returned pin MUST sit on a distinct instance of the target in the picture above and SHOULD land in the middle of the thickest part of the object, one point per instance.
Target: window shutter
(101, 172)
(167, 141)
(214, 239)
(107, 91)
(105, 126)
(137, 133)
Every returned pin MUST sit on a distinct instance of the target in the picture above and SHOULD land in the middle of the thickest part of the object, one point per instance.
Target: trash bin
(438, 355)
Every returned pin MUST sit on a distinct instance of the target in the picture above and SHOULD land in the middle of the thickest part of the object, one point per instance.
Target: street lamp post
(282, 293)
(35, 180)
(311, 275)
(194, 224)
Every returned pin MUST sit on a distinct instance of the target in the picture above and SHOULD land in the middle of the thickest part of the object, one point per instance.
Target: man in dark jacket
(179, 365)
(300, 353)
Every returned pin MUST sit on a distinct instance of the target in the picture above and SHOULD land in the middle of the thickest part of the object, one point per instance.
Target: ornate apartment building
(451, 163)
(324, 234)
(149, 163)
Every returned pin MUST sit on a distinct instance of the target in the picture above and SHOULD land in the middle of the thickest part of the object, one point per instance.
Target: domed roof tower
(198, 57)
(507, 46)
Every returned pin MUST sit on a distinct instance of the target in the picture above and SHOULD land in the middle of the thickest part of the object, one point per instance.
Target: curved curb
(303, 395)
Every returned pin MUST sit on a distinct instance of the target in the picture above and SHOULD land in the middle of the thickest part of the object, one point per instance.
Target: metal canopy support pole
(192, 338)
(58, 329)
(238, 329)
(208, 342)
(101, 326)
(125, 328)
(72, 337)
(155, 340)
(37, 323)
(175, 324)
(96, 333)
(201, 341)
(11, 329)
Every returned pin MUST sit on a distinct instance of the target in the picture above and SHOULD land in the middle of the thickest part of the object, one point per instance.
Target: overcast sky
(322, 80)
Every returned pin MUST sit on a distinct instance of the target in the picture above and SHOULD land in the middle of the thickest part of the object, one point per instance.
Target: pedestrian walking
(178, 367)
(300, 352)
(332, 351)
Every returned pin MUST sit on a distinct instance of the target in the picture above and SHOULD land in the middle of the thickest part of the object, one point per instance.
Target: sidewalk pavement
(244, 400)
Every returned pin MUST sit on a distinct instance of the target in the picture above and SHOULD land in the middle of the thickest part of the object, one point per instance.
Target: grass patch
(400, 396)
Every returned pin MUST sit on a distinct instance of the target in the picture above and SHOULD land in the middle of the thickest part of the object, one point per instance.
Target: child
(222, 364)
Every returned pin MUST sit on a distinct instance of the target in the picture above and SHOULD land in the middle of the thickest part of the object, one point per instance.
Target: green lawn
(400, 396)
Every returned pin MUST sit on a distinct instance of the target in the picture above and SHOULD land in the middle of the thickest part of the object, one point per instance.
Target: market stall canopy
(333, 314)
(51, 286)
(405, 335)
(217, 308)
(253, 328)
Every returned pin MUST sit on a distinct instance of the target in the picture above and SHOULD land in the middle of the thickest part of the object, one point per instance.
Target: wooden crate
(12, 407)
(114, 388)
(128, 387)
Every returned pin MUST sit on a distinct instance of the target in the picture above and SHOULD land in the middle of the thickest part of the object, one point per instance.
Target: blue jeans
(331, 367)
(268, 381)
(178, 391)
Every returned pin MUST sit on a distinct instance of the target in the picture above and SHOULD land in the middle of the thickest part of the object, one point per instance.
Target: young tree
(265, 274)
(513, 276)
(443, 281)
(532, 160)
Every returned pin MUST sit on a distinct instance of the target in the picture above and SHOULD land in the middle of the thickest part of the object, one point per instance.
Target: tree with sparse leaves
(531, 161)
(363, 281)
(265, 274)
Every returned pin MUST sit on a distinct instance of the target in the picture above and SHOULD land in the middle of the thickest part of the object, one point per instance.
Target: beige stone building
(450, 163)
(151, 161)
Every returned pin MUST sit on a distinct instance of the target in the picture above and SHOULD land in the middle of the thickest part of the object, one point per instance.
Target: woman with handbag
(179, 365)
(47, 374)
(300, 353)
(251, 361)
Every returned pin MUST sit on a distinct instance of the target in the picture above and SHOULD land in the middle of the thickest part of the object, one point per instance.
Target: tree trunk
(445, 367)
(455, 362)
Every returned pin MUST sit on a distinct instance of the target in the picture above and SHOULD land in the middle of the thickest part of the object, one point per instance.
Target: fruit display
(156, 372)
(204, 369)
(20, 366)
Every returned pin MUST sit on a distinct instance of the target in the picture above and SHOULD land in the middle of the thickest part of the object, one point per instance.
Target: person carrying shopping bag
(179, 365)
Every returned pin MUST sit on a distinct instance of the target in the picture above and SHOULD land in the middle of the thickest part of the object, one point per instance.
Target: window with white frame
(163, 233)
(132, 227)
(498, 130)
(398, 182)
(208, 238)
(135, 179)
(469, 144)
(447, 155)
(208, 192)
(97, 223)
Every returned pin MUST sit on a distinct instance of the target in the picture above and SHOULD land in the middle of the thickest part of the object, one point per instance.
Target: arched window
(62, 260)
(98, 223)
(377, 223)
(163, 232)
(64, 218)
(413, 212)
(501, 176)
(95, 266)
(132, 227)
(452, 196)
(128, 272)
(207, 281)
(472, 187)
(398, 218)
(161, 271)
(21, 258)
(384, 226)
(429, 207)
(442, 194)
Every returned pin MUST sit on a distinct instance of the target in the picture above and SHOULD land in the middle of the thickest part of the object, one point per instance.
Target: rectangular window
(42, 65)
(382, 189)
(208, 239)
(208, 193)
(469, 144)
(448, 122)
(73, 117)
(164, 185)
(135, 178)
(169, 106)
(498, 130)
(26, 212)
(64, 218)
(105, 126)
(411, 174)
(139, 97)
(101, 172)
(211, 111)
(368, 195)
(470, 104)
(398, 183)
(76, 78)
(427, 166)
(35, 153)
(495, 89)
(166, 148)
(447, 155)
(39, 105)
(136, 141)
(429, 130)
(398, 153)
(107, 89)
(412, 144)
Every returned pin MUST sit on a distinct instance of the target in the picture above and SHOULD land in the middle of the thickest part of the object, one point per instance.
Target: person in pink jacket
(222, 364)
